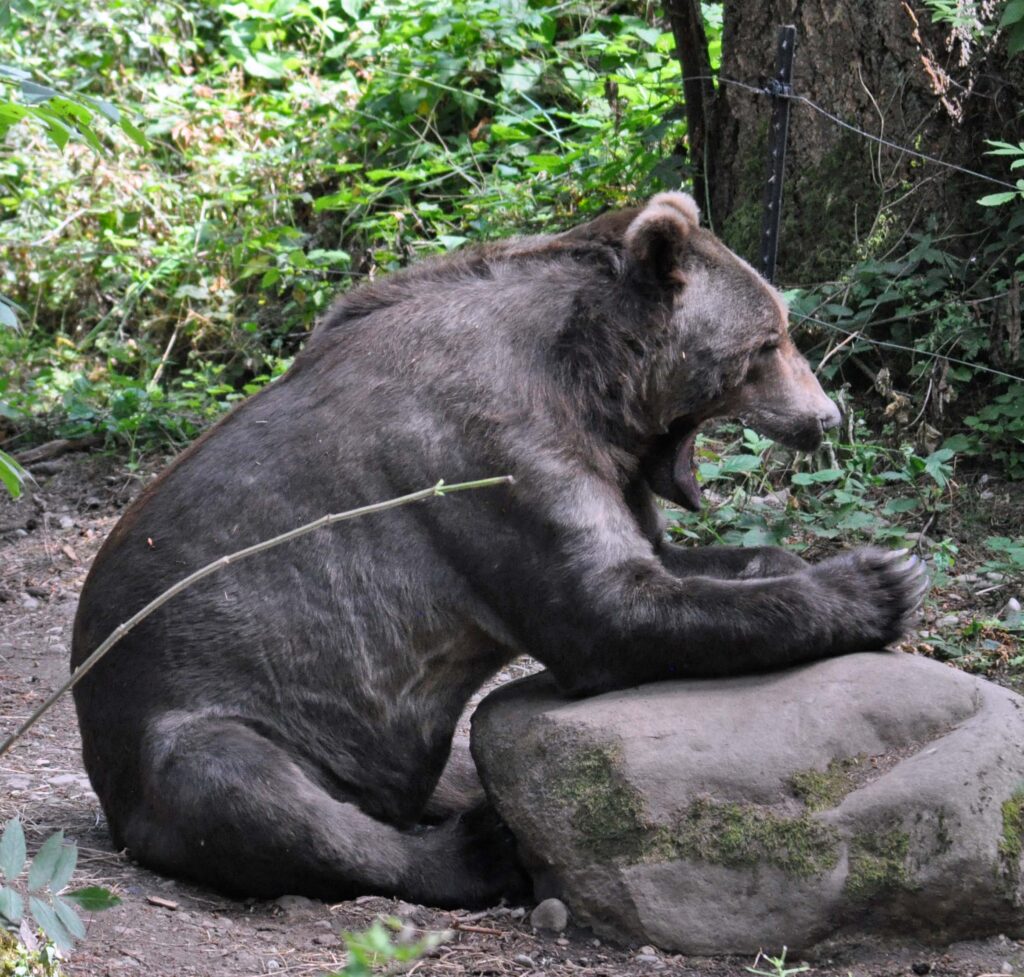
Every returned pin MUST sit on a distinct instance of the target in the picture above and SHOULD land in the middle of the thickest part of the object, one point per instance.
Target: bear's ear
(657, 237)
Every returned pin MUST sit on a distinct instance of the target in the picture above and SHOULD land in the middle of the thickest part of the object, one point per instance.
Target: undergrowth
(288, 149)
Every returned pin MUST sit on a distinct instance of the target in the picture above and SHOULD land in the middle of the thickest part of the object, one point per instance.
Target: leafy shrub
(296, 147)
(385, 943)
(48, 906)
(863, 491)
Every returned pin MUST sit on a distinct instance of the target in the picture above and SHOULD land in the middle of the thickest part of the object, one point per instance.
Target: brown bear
(286, 725)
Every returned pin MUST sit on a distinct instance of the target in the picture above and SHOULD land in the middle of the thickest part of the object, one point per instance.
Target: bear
(286, 725)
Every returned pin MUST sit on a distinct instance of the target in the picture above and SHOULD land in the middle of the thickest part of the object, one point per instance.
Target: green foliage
(12, 475)
(777, 965)
(386, 943)
(937, 331)
(864, 492)
(297, 146)
(18, 960)
(1012, 22)
(999, 426)
(48, 874)
(63, 116)
(976, 20)
(1008, 149)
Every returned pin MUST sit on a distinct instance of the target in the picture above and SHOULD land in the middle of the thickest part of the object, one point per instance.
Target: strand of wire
(907, 349)
(810, 103)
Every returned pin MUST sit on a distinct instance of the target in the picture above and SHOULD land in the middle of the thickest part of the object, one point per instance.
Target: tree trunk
(884, 67)
(698, 90)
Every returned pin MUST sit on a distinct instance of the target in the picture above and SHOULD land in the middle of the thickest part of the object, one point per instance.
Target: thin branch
(122, 629)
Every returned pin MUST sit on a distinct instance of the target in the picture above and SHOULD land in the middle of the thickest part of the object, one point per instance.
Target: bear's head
(726, 350)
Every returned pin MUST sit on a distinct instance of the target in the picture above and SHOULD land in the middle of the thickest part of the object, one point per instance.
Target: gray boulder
(871, 793)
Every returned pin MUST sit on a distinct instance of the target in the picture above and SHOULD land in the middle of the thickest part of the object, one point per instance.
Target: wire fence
(770, 91)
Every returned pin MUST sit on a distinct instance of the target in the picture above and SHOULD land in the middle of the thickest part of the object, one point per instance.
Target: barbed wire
(928, 354)
(858, 333)
(810, 103)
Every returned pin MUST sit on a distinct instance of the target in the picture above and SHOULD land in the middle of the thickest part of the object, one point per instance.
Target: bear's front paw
(876, 595)
(769, 561)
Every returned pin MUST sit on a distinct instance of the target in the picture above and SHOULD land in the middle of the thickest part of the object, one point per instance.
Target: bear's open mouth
(684, 472)
(669, 467)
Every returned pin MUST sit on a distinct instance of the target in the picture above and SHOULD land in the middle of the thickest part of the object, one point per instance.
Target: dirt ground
(168, 929)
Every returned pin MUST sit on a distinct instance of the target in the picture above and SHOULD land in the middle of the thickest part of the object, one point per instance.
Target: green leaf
(11, 112)
(58, 131)
(8, 317)
(266, 66)
(996, 199)
(1012, 14)
(64, 868)
(50, 924)
(12, 843)
(521, 76)
(5, 13)
(93, 898)
(738, 464)
(812, 478)
(44, 865)
(11, 906)
(16, 74)
(136, 135)
(105, 108)
(12, 476)
(1015, 40)
(34, 93)
(69, 918)
(894, 506)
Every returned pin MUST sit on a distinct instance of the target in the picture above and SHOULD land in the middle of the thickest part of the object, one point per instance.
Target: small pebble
(562, 941)
(518, 913)
(29, 602)
(1011, 613)
(273, 965)
(65, 522)
(949, 621)
(648, 958)
(994, 576)
(922, 968)
(523, 960)
(294, 903)
(647, 951)
(550, 915)
(1007, 967)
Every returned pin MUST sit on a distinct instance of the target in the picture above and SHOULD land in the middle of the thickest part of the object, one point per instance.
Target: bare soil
(165, 928)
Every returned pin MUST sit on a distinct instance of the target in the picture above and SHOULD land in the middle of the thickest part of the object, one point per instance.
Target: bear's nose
(830, 416)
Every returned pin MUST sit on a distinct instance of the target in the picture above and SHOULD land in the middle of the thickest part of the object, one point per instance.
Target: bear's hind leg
(225, 806)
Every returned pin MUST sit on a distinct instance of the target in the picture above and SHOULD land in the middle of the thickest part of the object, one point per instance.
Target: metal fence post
(779, 88)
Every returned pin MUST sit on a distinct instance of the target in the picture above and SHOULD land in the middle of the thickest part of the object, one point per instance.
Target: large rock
(876, 792)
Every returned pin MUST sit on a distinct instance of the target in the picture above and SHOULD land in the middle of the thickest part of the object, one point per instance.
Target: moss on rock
(608, 814)
(823, 789)
(745, 835)
(1011, 844)
(610, 819)
(878, 864)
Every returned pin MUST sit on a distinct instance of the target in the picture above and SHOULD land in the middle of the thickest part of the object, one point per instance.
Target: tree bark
(698, 91)
(884, 67)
